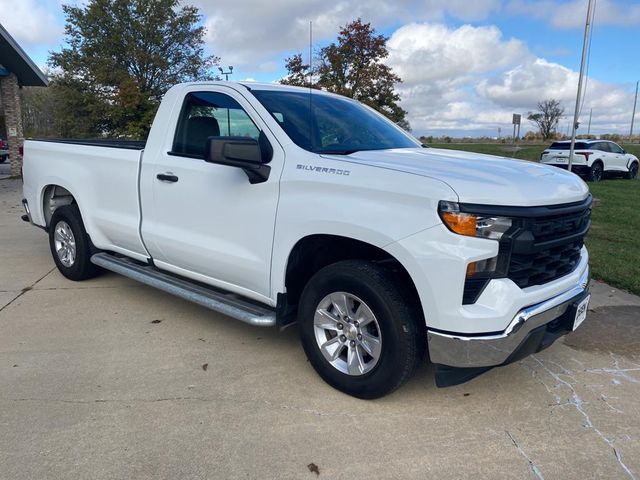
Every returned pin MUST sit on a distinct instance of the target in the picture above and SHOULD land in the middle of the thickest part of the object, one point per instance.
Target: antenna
(310, 84)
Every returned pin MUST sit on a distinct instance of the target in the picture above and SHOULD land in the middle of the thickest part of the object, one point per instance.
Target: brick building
(16, 70)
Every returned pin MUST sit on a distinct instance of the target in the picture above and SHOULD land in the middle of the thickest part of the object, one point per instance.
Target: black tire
(595, 172)
(81, 267)
(632, 174)
(401, 327)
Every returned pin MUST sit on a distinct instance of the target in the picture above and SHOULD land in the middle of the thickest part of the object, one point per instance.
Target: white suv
(592, 159)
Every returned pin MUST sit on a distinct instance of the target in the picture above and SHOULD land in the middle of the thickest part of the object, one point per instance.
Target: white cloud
(473, 79)
(440, 67)
(30, 22)
(252, 32)
(521, 87)
(428, 52)
(572, 14)
(537, 79)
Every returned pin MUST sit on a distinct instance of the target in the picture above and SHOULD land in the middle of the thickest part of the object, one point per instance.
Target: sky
(466, 66)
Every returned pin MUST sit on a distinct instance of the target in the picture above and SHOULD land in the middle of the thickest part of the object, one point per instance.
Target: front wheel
(361, 333)
(70, 244)
(633, 171)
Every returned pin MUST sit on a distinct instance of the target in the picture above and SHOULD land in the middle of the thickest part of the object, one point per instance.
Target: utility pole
(633, 116)
(589, 129)
(576, 113)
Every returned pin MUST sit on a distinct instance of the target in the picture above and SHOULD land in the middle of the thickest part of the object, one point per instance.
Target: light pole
(585, 42)
(633, 115)
(226, 74)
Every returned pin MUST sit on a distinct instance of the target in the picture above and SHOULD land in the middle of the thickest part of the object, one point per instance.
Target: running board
(219, 301)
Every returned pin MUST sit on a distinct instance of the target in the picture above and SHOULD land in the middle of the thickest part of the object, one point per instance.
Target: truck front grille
(544, 266)
(542, 245)
(546, 248)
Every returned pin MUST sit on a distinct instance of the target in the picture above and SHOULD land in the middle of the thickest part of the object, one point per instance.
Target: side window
(615, 148)
(210, 114)
(604, 147)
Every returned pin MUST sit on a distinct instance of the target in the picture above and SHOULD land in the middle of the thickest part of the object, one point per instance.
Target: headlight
(472, 225)
(477, 225)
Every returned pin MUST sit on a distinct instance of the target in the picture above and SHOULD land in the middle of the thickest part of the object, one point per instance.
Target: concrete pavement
(105, 379)
(5, 169)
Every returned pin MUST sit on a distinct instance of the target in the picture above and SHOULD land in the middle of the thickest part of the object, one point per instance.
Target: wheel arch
(52, 197)
(314, 252)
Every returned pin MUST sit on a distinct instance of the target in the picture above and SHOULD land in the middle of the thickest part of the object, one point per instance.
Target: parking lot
(5, 169)
(112, 379)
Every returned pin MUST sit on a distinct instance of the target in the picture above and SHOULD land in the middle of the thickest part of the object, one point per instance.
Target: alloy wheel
(347, 333)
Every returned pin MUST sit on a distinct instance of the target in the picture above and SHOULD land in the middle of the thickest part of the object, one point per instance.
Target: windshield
(335, 125)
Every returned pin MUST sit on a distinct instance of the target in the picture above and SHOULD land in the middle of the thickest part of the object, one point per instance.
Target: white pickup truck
(276, 205)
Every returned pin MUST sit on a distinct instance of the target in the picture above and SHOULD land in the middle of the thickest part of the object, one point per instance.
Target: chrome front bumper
(465, 351)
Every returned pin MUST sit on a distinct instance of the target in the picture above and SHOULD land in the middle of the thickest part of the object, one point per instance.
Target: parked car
(4, 150)
(276, 204)
(593, 159)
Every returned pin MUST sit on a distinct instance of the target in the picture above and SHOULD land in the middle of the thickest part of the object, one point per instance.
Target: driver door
(206, 221)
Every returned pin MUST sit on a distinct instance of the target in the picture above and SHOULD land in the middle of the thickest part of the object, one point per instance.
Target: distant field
(527, 152)
(614, 239)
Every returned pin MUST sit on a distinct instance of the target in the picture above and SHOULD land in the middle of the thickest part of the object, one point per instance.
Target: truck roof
(250, 85)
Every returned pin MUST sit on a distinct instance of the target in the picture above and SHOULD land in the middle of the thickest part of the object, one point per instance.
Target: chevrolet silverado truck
(276, 205)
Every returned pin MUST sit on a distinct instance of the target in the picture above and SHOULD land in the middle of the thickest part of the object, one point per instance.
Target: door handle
(167, 177)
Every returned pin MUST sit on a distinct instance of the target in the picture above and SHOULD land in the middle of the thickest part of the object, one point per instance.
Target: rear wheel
(595, 172)
(360, 333)
(70, 245)
(633, 171)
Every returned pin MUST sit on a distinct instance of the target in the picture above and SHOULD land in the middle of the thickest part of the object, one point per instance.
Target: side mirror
(243, 152)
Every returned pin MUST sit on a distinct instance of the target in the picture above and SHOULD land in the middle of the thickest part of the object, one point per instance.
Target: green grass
(614, 239)
(614, 242)
(527, 151)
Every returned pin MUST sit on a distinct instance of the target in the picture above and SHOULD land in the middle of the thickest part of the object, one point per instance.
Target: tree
(126, 54)
(353, 66)
(298, 75)
(547, 117)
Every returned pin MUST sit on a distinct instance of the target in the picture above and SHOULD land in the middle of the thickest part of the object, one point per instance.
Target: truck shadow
(613, 330)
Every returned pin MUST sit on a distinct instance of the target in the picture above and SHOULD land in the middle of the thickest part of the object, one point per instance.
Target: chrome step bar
(226, 303)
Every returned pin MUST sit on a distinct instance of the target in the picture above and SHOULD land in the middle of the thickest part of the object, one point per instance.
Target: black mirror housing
(242, 152)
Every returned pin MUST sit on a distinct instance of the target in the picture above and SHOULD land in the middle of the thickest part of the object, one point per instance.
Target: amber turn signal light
(462, 223)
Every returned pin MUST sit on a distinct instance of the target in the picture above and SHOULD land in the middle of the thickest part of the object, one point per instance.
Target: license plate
(560, 159)
(581, 312)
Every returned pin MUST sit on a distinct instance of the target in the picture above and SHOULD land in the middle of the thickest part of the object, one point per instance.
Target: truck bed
(104, 173)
